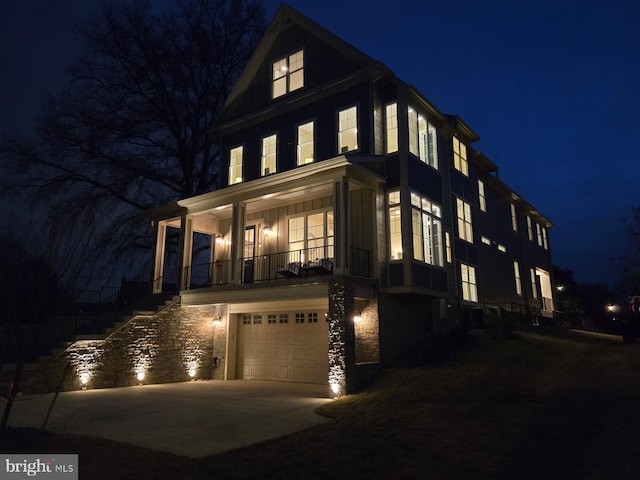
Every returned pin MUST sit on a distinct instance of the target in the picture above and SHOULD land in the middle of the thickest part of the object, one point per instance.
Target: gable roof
(284, 18)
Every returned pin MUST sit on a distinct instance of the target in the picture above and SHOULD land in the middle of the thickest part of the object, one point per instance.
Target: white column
(186, 251)
(237, 242)
(341, 224)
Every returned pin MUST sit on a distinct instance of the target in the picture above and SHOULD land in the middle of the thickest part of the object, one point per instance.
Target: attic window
(288, 74)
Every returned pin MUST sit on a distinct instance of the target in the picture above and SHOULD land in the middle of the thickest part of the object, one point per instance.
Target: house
(353, 226)
(352, 218)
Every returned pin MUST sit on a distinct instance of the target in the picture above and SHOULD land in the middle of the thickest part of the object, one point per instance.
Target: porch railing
(303, 263)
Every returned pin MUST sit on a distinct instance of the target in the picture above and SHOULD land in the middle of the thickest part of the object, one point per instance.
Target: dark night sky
(551, 87)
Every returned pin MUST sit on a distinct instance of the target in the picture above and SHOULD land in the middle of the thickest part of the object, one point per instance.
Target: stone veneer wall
(165, 347)
(367, 332)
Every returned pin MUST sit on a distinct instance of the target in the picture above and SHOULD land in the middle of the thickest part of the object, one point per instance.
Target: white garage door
(287, 346)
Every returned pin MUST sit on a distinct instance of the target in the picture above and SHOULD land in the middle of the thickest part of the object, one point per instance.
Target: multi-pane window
(514, 218)
(447, 247)
(257, 319)
(545, 243)
(465, 231)
(426, 226)
(235, 165)
(422, 138)
(268, 159)
(482, 201)
(288, 74)
(391, 115)
(305, 143)
(534, 287)
(348, 130)
(299, 317)
(311, 236)
(272, 318)
(312, 317)
(246, 319)
(460, 156)
(395, 226)
(529, 228)
(283, 318)
(539, 234)
(516, 274)
(469, 286)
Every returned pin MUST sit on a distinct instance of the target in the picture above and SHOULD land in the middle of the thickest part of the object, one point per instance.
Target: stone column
(341, 338)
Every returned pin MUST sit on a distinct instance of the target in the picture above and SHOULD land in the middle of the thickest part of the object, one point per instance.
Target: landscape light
(140, 375)
(192, 373)
(335, 389)
(84, 378)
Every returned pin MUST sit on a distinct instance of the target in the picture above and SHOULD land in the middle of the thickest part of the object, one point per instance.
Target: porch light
(217, 321)
(267, 230)
(357, 318)
(219, 238)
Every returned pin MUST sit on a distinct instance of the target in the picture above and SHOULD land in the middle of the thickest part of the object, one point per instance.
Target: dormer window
(288, 74)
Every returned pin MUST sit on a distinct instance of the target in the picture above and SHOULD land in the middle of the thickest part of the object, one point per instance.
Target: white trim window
(427, 228)
(545, 242)
(465, 230)
(539, 234)
(423, 141)
(391, 119)
(460, 157)
(482, 201)
(235, 165)
(305, 143)
(469, 285)
(516, 274)
(529, 228)
(311, 236)
(514, 218)
(269, 152)
(348, 129)
(534, 283)
(447, 246)
(288, 74)
(395, 226)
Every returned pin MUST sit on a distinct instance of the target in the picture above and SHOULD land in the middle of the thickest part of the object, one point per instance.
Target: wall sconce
(217, 321)
(219, 238)
(357, 318)
(267, 230)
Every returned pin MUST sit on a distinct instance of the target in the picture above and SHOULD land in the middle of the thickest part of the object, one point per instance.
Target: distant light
(612, 308)
(560, 288)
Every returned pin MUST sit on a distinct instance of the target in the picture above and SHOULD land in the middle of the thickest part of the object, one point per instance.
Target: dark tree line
(132, 128)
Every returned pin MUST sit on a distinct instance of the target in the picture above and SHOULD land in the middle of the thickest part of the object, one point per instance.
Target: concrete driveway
(192, 419)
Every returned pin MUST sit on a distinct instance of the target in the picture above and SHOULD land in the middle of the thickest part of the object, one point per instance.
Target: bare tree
(132, 129)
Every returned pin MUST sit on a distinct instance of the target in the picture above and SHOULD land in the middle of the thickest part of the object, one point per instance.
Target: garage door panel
(284, 351)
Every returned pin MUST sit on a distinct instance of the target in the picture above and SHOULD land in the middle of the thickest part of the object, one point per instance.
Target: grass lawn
(554, 405)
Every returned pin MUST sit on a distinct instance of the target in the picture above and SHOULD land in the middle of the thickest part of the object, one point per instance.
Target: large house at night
(353, 226)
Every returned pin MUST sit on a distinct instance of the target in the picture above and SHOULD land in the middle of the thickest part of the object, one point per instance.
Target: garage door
(286, 346)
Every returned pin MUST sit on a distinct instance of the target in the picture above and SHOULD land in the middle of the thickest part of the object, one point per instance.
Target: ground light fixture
(140, 377)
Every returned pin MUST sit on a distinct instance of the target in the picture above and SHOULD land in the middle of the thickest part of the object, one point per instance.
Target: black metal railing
(208, 274)
(360, 262)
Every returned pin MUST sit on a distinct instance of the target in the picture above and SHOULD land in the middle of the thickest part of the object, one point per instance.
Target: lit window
(235, 165)
(288, 74)
(447, 246)
(481, 199)
(391, 112)
(460, 156)
(268, 159)
(485, 240)
(348, 130)
(516, 274)
(395, 226)
(422, 138)
(529, 229)
(305, 143)
(502, 248)
(514, 218)
(311, 237)
(534, 287)
(469, 286)
(544, 239)
(426, 226)
(539, 234)
(465, 231)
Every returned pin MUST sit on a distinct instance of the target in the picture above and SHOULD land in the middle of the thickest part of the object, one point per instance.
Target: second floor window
(422, 138)
(465, 230)
(529, 229)
(460, 157)
(468, 280)
(514, 218)
(305, 143)
(235, 165)
(268, 159)
(311, 237)
(427, 236)
(288, 74)
(348, 130)
(516, 274)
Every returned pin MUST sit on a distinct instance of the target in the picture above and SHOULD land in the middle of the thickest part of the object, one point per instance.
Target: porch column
(237, 242)
(186, 251)
(342, 224)
(160, 232)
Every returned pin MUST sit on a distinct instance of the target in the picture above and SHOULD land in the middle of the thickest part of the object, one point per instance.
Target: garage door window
(299, 317)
